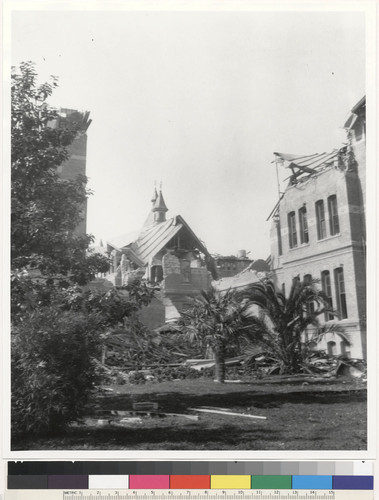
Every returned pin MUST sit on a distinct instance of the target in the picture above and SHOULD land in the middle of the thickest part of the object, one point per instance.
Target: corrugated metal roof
(153, 239)
(123, 240)
(144, 245)
(310, 164)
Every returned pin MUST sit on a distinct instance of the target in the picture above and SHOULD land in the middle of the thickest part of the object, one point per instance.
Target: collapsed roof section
(303, 166)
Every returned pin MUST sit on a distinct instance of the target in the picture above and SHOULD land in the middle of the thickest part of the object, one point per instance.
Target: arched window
(340, 292)
(345, 349)
(303, 225)
(320, 217)
(310, 306)
(327, 289)
(333, 215)
(292, 235)
(332, 348)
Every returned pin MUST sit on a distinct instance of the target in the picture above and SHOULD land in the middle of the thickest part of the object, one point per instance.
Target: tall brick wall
(74, 166)
(341, 250)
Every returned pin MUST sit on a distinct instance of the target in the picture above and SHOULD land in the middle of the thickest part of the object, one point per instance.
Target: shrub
(53, 369)
(167, 373)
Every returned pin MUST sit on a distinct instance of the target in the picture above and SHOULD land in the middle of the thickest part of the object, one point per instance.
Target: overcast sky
(199, 101)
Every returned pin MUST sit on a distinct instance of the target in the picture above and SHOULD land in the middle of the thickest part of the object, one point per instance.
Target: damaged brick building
(318, 232)
(167, 253)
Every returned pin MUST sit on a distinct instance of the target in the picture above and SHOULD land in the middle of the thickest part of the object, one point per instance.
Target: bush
(53, 369)
(167, 373)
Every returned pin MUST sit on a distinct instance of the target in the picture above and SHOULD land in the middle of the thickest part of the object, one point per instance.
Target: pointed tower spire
(155, 194)
(152, 215)
(160, 208)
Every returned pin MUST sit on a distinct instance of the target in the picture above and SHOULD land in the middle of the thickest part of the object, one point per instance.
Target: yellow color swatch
(231, 482)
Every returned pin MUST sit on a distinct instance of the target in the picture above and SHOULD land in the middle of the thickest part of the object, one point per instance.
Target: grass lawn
(325, 416)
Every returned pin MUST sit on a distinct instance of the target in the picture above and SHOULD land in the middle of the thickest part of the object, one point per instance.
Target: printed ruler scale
(190, 495)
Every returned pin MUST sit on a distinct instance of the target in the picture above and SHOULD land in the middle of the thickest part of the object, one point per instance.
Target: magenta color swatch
(147, 482)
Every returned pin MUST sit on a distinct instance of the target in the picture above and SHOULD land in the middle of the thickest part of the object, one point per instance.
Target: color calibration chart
(124, 480)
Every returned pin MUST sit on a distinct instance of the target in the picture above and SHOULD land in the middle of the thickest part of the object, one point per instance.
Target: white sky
(199, 101)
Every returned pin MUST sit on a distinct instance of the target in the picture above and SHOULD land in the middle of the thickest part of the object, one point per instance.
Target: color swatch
(189, 475)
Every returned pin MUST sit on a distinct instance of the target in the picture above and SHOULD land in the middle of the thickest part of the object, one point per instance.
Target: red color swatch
(190, 482)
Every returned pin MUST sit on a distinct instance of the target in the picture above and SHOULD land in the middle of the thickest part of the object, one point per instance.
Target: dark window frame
(320, 218)
(292, 233)
(279, 236)
(334, 224)
(303, 225)
(326, 285)
(339, 282)
(310, 307)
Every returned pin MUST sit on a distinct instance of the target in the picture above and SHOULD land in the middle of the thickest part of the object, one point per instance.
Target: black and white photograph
(188, 221)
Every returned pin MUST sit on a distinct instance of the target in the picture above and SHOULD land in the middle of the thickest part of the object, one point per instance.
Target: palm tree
(217, 320)
(282, 321)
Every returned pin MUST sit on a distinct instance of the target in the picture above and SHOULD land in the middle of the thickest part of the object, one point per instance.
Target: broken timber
(233, 414)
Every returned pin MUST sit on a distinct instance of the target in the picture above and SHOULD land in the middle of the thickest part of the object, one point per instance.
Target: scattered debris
(184, 415)
(214, 408)
(352, 369)
(228, 413)
(145, 405)
(231, 381)
(130, 420)
(128, 416)
(103, 421)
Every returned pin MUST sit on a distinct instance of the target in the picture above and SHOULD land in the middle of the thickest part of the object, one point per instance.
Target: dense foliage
(281, 325)
(58, 327)
(53, 369)
(218, 321)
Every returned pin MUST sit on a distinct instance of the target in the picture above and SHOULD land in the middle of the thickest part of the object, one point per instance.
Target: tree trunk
(220, 365)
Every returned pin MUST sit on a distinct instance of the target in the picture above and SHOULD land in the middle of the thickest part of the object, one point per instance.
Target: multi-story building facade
(76, 164)
(318, 232)
(231, 265)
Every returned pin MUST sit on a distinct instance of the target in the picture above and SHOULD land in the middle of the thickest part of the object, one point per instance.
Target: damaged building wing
(318, 232)
(303, 166)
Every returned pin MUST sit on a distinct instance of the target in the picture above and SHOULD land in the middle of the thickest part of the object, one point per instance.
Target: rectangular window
(279, 236)
(333, 215)
(292, 230)
(185, 268)
(327, 289)
(340, 292)
(310, 307)
(320, 217)
(303, 224)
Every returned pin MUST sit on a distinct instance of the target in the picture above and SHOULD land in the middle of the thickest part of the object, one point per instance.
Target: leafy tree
(220, 321)
(45, 210)
(282, 321)
(58, 328)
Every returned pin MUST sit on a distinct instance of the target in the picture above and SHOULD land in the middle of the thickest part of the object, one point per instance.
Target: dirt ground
(331, 415)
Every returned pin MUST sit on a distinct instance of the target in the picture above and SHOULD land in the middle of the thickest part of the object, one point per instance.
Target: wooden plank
(232, 414)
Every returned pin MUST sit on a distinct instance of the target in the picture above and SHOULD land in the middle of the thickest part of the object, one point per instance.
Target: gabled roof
(143, 246)
(123, 240)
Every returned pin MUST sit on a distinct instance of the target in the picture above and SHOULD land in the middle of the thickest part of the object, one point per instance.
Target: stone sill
(307, 245)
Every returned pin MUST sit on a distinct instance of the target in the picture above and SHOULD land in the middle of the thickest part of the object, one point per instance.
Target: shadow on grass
(174, 437)
(176, 402)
